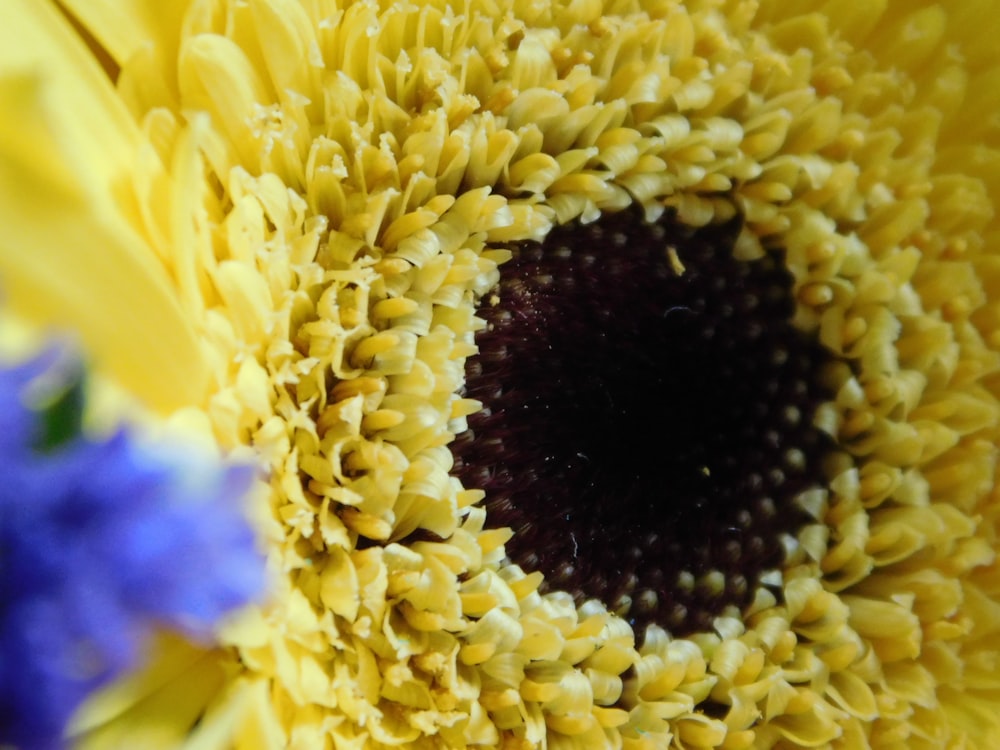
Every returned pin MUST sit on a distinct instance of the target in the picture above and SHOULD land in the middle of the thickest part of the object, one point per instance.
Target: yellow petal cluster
(67, 150)
(306, 201)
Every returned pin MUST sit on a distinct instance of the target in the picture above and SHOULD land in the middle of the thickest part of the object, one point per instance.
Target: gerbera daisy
(300, 223)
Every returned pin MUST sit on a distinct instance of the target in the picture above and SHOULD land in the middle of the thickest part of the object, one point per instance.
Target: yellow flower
(279, 217)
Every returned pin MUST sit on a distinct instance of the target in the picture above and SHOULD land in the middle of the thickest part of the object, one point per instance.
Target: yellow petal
(71, 256)
(142, 37)
(176, 683)
(122, 26)
(36, 41)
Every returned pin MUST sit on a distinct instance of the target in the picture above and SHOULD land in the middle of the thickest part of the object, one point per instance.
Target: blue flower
(100, 542)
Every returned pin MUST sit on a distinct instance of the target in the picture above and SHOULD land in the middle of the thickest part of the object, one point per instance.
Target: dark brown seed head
(645, 426)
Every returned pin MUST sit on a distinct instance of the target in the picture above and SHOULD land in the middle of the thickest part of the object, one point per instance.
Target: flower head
(100, 541)
(311, 201)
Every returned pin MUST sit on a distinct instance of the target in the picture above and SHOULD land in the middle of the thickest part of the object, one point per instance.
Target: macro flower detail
(305, 209)
(101, 542)
(647, 430)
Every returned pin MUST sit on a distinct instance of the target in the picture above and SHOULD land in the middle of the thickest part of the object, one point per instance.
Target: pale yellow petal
(142, 38)
(176, 683)
(71, 256)
(123, 26)
(98, 135)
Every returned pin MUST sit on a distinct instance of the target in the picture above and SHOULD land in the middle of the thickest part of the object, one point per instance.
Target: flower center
(647, 420)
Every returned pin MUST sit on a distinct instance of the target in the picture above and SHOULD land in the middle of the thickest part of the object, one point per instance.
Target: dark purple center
(645, 428)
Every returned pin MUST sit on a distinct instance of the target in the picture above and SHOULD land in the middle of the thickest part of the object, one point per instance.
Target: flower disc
(648, 417)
